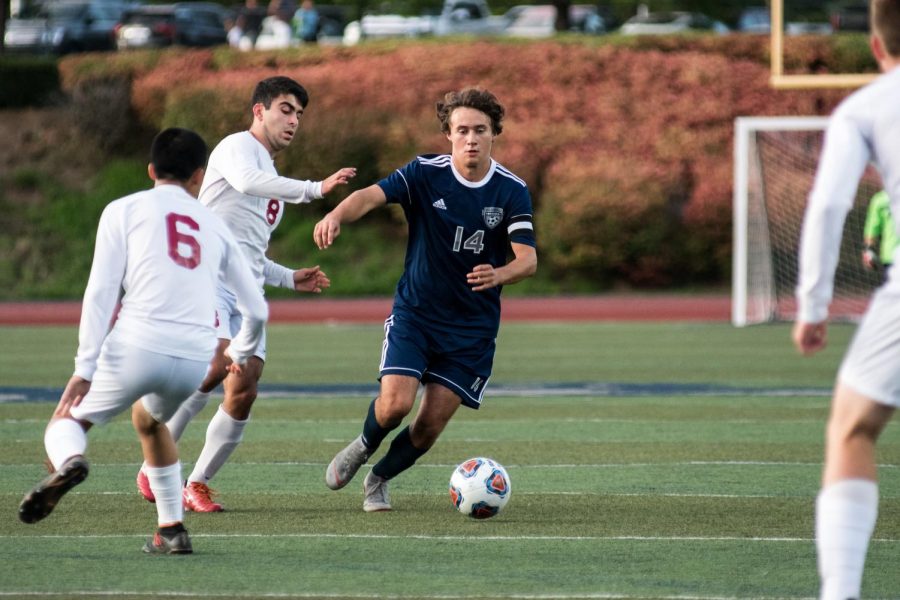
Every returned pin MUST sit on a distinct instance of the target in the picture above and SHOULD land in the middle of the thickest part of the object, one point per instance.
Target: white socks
(63, 439)
(166, 485)
(187, 411)
(845, 517)
(222, 437)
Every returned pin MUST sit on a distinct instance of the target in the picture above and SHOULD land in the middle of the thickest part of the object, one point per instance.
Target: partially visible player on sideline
(864, 127)
(879, 235)
(465, 211)
(167, 251)
(242, 187)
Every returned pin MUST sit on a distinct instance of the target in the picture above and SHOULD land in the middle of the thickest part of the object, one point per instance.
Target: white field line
(690, 463)
(486, 422)
(519, 493)
(376, 596)
(449, 538)
(452, 538)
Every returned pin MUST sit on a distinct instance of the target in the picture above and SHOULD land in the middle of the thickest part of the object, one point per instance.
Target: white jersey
(167, 251)
(242, 187)
(864, 127)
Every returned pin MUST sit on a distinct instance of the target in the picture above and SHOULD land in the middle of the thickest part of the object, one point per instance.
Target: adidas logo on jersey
(440, 204)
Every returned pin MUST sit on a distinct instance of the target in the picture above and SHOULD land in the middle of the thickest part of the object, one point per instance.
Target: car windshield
(64, 11)
(75, 10)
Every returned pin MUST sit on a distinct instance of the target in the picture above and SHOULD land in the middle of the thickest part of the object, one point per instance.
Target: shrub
(625, 142)
(28, 81)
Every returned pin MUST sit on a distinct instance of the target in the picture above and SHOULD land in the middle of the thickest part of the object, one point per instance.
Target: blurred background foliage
(625, 143)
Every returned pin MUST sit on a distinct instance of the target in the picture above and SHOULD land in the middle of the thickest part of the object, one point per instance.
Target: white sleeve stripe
(519, 225)
(408, 192)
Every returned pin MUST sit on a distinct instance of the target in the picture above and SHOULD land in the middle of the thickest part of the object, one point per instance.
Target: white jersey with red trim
(242, 187)
(167, 252)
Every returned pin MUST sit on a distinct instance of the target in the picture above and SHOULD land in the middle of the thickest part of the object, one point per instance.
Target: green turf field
(693, 479)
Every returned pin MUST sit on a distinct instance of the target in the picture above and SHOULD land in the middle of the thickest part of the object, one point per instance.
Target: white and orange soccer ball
(480, 488)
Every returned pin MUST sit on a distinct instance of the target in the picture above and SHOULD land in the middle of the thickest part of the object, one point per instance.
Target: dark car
(332, 20)
(851, 17)
(184, 24)
(66, 26)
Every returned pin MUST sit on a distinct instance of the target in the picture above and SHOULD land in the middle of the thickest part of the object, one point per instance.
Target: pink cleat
(198, 498)
(143, 485)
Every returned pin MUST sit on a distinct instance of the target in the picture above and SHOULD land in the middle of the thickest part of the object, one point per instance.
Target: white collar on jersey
(474, 184)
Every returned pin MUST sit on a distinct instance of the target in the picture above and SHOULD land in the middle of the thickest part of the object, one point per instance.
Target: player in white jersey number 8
(242, 186)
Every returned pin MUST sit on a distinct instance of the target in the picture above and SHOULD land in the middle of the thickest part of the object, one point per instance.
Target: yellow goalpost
(778, 78)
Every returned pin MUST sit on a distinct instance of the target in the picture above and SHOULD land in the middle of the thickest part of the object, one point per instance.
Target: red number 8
(176, 239)
(272, 211)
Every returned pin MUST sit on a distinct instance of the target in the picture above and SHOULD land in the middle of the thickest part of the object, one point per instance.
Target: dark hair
(475, 98)
(885, 22)
(177, 153)
(269, 89)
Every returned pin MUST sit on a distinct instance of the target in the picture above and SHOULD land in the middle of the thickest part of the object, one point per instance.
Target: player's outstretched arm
(809, 338)
(340, 177)
(350, 209)
(485, 277)
(311, 279)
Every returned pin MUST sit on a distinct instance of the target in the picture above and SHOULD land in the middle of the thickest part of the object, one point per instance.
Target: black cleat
(42, 499)
(180, 543)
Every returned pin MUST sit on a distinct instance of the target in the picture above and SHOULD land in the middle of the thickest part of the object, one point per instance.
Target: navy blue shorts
(461, 363)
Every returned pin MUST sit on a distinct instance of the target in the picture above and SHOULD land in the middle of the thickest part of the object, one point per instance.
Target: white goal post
(775, 161)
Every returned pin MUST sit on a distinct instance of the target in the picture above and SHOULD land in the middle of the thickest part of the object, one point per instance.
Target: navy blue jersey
(455, 224)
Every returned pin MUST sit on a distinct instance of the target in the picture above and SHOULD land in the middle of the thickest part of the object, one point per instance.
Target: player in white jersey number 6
(167, 251)
(242, 187)
(864, 127)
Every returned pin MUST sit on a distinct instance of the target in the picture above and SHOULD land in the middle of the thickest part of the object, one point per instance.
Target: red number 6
(176, 239)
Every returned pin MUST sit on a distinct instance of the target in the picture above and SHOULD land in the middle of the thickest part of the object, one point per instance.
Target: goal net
(774, 166)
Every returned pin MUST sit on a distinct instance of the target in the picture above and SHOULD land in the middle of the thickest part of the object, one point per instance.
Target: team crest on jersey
(492, 216)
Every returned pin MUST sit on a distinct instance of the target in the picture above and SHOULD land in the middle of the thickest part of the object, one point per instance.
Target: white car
(385, 26)
(663, 23)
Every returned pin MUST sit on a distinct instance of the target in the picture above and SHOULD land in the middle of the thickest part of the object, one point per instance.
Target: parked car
(661, 23)
(851, 17)
(462, 17)
(538, 21)
(385, 26)
(66, 26)
(332, 20)
(184, 23)
(755, 19)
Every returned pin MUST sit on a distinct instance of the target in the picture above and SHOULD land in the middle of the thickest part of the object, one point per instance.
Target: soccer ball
(480, 488)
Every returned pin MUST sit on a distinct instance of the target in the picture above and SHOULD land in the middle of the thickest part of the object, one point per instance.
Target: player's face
(276, 126)
(472, 138)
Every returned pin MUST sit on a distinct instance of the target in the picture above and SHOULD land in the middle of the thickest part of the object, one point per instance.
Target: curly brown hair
(475, 98)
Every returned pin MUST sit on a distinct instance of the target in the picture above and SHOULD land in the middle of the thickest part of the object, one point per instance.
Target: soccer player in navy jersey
(465, 211)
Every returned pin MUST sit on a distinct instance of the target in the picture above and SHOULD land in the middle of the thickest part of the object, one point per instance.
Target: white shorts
(228, 321)
(871, 366)
(126, 373)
